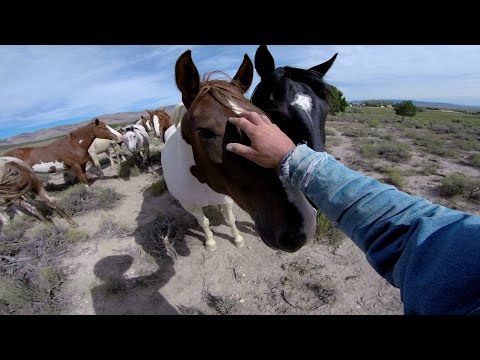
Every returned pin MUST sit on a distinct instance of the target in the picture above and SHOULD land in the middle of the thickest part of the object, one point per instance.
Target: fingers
(242, 123)
(241, 150)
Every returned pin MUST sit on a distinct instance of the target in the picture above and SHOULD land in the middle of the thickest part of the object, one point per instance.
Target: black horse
(297, 100)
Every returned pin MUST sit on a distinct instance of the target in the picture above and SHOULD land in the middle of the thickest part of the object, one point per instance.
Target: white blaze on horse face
(303, 101)
(49, 167)
(156, 125)
(147, 124)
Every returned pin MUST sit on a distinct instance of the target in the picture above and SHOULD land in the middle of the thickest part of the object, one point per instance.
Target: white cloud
(43, 84)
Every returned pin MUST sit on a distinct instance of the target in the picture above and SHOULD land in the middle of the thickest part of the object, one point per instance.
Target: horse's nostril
(291, 242)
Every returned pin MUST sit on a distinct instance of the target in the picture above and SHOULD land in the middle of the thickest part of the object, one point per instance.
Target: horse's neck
(83, 136)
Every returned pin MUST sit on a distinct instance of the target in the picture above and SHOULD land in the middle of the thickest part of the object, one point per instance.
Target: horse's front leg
(210, 244)
(94, 157)
(50, 200)
(21, 202)
(230, 220)
(80, 173)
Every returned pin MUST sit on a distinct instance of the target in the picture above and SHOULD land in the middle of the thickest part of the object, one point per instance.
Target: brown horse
(18, 181)
(283, 217)
(70, 152)
(159, 121)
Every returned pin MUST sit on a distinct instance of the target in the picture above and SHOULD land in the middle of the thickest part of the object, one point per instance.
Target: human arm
(430, 252)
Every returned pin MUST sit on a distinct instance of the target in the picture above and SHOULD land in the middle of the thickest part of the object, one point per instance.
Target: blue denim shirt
(430, 252)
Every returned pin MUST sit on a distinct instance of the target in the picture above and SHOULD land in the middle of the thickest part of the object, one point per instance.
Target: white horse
(177, 158)
(136, 139)
(100, 146)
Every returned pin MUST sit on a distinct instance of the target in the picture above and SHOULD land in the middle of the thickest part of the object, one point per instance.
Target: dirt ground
(130, 275)
(138, 272)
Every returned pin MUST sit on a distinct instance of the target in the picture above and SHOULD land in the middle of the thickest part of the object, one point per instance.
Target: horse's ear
(323, 68)
(244, 75)
(195, 172)
(187, 78)
(264, 63)
(97, 122)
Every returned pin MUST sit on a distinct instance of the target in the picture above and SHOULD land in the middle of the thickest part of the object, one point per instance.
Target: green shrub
(128, 168)
(369, 151)
(327, 233)
(459, 184)
(158, 187)
(475, 159)
(393, 151)
(374, 123)
(394, 177)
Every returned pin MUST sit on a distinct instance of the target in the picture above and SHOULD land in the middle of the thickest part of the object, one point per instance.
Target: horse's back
(177, 158)
(101, 145)
(19, 153)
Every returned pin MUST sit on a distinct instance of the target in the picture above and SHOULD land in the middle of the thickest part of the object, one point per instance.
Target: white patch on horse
(80, 142)
(237, 109)
(46, 168)
(156, 125)
(303, 101)
(7, 159)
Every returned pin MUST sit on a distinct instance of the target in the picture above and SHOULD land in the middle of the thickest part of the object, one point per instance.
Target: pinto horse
(160, 121)
(177, 158)
(296, 100)
(69, 152)
(17, 181)
(283, 217)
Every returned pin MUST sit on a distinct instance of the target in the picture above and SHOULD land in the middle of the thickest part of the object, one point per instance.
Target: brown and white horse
(69, 152)
(283, 217)
(18, 181)
(159, 121)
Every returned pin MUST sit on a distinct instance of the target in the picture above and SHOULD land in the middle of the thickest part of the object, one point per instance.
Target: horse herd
(197, 169)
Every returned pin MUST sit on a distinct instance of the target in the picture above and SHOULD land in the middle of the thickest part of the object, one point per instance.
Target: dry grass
(79, 199)
(110, 229)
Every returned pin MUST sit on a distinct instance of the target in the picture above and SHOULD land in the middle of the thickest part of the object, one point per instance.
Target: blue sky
(48, 85)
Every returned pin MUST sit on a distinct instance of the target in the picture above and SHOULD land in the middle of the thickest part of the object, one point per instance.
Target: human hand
(269, 143)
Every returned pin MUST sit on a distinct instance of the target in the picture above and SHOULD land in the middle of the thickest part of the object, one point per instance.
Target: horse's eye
(206, 134)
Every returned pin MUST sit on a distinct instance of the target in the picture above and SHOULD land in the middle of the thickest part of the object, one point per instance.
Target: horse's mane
(307, 76)
(80, 130)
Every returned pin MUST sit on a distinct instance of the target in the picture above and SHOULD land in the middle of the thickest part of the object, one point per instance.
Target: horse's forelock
(228, 94)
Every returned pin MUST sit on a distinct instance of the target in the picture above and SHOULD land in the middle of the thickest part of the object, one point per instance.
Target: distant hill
(48, 133)
(424, 104)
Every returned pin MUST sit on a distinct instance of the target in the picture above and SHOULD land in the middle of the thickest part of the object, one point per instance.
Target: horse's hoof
(239, 243)
(211, 247)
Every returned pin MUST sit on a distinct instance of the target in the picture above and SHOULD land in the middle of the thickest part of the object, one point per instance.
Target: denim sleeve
(430, 252)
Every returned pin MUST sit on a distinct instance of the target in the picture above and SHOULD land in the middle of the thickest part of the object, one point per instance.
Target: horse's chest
(49, 167)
